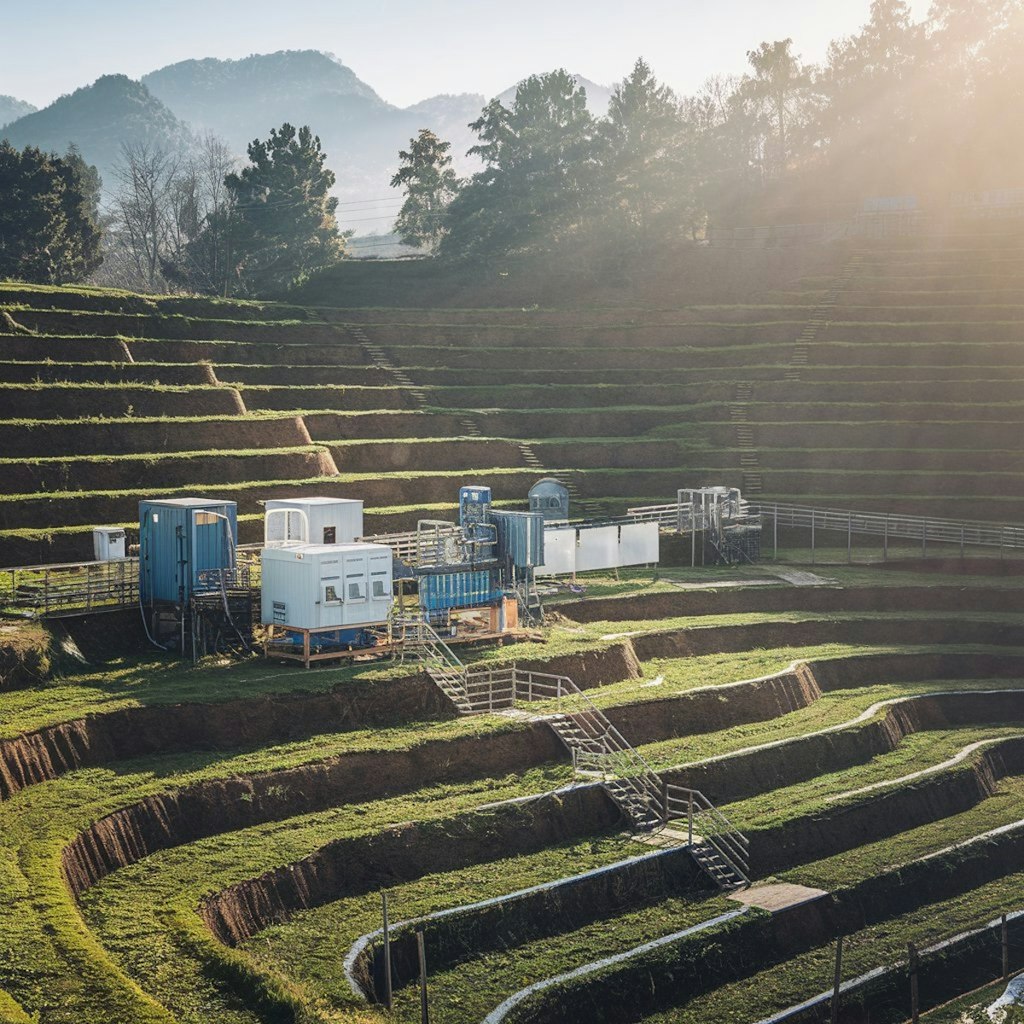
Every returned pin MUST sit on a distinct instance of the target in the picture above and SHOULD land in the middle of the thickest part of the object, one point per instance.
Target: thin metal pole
(387, 949)
(689, 818)
(812, 536)
(915, 1007)
(421, 953)
(693, 536)
(838, 980)
(924, 540)
(885, 541)
(849, 538)
(962, 530)
(775, 530)
(1006, 949)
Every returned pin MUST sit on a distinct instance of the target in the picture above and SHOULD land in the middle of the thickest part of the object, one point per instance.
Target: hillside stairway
(598, 750)
(821, 317)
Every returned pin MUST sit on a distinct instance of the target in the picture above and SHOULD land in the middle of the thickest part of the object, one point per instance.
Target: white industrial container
(320, 586)
(108, 543)
(312, 521)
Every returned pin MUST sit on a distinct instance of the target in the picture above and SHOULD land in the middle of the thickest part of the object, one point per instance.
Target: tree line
(194, 223)
(899, 107)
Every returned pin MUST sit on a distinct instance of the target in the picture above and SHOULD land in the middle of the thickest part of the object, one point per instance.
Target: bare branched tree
(143, 206)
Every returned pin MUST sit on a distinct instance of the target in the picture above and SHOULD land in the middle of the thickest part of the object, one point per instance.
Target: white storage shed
(312, 521)
(323, 586)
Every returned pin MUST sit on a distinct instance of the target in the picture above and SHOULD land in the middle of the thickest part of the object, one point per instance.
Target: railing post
(812, 536)
(387, 950)
(962, 530)
(849, 538)
(885, 539)
(1005, 934)
(915, 1008)
(422, 956)
(775, 534)
(837, 980)
(689, 818)
(664, 801)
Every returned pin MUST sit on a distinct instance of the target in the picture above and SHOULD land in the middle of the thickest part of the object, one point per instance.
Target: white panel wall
(572, 549)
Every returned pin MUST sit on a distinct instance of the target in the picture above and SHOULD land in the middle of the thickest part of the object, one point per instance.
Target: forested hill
(99, 119)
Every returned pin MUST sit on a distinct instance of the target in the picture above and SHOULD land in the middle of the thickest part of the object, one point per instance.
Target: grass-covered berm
(194, 844)
(886, 376)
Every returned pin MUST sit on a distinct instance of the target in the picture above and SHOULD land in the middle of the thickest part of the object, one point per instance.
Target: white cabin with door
(293, 521)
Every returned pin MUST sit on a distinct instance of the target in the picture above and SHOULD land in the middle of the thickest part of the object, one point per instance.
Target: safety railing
(894, 526)
(706, 824)
(74, 588)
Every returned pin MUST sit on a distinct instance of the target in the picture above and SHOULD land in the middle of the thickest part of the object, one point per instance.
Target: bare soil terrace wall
(26, 440)
(818, 599)
(51, 751)
(124, 473)
(350, 866)
(687, 643)
(61, 349)
(119, 374)
(57, 402)
(224, 805)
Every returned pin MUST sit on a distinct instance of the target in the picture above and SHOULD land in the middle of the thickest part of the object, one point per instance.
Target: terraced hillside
(186, 845)
(123, 398)
(890, 383)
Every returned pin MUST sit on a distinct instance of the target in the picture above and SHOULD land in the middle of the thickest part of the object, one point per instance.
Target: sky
(408, 50)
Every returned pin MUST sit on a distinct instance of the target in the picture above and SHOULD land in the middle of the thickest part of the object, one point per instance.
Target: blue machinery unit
(191, 592)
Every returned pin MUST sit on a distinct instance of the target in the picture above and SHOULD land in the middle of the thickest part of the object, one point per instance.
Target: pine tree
(283, 215)
(48, 227)
(430, 185)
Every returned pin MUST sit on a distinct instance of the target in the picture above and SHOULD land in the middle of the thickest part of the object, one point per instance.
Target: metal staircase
(598, 750)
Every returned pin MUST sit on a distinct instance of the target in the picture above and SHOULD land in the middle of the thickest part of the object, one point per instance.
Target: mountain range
(240, 100)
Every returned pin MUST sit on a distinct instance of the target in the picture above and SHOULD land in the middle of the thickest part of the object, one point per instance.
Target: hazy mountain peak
(12, 108)
(98, 119)
(598, 96)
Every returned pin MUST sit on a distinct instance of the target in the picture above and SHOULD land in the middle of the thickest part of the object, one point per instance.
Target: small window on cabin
(330, 534)
(206, 518)
(356, 587)
(331, 595)
(380, 585)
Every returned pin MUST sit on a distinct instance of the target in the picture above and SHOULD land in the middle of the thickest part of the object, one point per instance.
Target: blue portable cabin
(179, 538)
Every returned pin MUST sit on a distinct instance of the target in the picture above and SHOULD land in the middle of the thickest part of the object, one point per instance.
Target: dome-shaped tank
(551, 498)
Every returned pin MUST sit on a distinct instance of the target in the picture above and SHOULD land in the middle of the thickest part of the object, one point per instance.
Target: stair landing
(777, 896)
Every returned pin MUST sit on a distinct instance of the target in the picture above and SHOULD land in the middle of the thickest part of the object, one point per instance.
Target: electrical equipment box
(323, 586)
(180, 539)
(520, 537)
(474, 505)
(550, 498)
(108, 543)
(312, 521)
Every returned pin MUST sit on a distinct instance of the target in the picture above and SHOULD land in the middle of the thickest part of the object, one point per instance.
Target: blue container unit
(520, 538)
(178, 539)
(445, 591)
